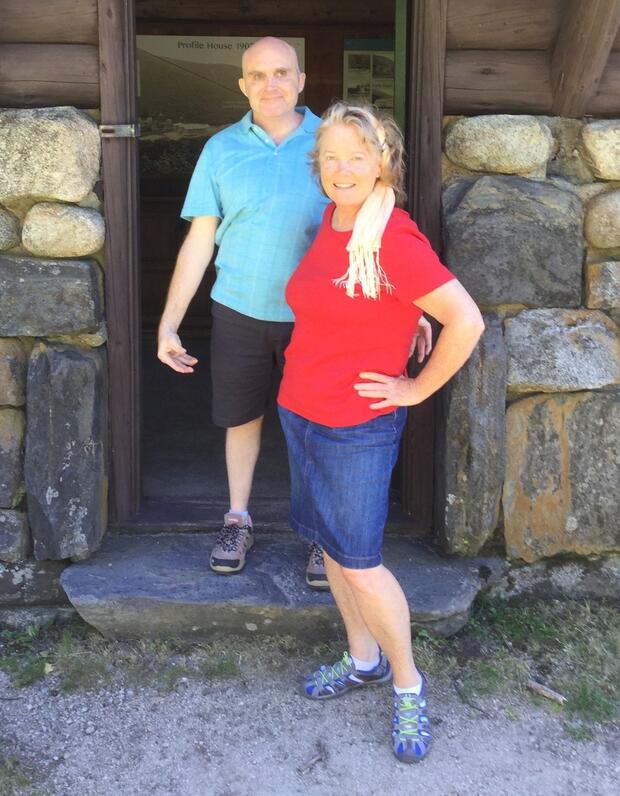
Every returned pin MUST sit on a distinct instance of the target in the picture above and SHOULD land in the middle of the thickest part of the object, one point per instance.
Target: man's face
(271, 80)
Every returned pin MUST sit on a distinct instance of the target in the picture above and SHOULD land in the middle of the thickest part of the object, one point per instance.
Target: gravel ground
(253, 734)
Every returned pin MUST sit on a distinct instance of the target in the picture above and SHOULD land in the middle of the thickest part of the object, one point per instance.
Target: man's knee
(245, 428)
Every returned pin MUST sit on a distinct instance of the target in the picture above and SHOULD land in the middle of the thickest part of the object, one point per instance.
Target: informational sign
(368, 72)
(188, 90)
(194, 79)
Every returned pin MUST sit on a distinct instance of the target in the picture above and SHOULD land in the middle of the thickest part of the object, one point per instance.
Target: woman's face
(348, 167)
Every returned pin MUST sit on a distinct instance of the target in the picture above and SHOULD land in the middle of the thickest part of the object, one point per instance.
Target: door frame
(119, 155)
(423, 47)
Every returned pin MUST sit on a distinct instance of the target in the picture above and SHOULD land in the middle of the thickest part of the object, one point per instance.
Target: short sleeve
(203, 195)
(412, 267)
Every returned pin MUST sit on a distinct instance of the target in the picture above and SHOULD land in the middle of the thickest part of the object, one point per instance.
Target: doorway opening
(188, 68)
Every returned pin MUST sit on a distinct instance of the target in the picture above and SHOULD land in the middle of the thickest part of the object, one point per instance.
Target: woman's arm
(462, 324)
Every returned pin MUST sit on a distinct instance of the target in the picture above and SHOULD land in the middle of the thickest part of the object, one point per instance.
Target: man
(252, 194)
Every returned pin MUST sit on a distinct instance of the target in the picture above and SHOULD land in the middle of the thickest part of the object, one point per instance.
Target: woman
(357, 296)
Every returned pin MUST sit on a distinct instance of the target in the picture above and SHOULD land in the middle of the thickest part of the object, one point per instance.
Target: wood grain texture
(34, 75)
(503, 24)
(427, 51)
(581, 52)
(122, 283)
(304, 12)
(58, 22)
(606, 101)
(497, 82)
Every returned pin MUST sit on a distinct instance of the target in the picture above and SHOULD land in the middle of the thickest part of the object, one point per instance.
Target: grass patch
(12, 777)
(436, 655)
(591, 701)
(500, 672)
(77, 658)
(579, 732)
(23, 655)
(521, 624)
(574, 648)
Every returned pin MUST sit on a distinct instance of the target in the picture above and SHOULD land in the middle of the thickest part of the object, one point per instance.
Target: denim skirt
(340, 481)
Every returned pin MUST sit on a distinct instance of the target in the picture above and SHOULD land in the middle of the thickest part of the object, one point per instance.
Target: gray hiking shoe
(411, 735)
(232, 543)
(331, 681)
(315, 568)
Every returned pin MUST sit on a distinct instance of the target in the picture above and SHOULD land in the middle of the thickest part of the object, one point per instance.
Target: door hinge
(119, 130)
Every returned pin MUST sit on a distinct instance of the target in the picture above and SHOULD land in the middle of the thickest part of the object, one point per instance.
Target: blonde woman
(357, 296)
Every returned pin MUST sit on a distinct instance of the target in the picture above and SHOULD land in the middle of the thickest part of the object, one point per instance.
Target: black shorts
(246, 356)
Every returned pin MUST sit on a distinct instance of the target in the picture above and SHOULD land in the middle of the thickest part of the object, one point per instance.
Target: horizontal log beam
(32, 75)
(59, 22)
(503, 24)
(581, 53)
(303, 12)
(497, 82)
(606, 101)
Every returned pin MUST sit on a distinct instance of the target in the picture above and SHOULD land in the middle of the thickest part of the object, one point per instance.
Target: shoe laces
(326, 674)
(229, 537)
(316, 555)
(407, 719)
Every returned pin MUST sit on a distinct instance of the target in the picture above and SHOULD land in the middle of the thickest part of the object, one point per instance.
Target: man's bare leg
(242, 449)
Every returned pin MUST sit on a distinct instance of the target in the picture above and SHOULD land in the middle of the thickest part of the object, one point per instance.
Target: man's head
(271, 78)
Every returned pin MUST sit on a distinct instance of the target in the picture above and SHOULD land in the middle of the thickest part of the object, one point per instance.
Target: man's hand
(171, 352)
(394, 391)
(422, 341)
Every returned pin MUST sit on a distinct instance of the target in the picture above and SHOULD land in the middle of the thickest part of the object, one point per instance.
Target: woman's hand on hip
(391, 390)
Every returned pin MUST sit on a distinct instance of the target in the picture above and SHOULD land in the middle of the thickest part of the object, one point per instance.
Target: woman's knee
(362, 580)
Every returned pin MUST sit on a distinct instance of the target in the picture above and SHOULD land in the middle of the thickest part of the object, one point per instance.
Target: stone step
(161, 586)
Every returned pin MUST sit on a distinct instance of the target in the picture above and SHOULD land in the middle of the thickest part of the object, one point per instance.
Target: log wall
(519, 56)
(49, 53)
(499, 53)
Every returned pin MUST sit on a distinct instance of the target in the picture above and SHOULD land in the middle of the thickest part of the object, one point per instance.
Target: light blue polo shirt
(270, 208)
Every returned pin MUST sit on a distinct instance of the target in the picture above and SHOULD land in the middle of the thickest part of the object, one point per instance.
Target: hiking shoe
(232, 543)
(411, 736)
(315, 568)
(331, 681)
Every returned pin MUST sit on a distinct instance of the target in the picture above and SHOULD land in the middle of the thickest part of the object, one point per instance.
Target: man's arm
(192, 261)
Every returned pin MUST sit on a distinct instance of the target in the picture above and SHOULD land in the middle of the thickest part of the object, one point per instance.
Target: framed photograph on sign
(368, 72)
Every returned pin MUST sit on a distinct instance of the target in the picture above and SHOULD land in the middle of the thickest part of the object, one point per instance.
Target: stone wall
(52, 352)
(531, 213)
(530, 454)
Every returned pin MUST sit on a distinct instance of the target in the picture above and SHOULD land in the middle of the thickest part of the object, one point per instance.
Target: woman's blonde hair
(378, 131)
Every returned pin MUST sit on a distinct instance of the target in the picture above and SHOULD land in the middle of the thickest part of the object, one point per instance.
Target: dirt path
(252, 734)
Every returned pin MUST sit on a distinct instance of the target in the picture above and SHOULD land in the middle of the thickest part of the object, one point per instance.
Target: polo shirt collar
(309, 124)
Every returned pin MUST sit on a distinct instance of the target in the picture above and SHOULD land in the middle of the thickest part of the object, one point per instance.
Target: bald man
(252, 194)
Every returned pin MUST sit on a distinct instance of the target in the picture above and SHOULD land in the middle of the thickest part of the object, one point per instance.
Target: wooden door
(421, 31)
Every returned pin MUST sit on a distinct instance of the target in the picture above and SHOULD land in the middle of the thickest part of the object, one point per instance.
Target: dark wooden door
(424, 43)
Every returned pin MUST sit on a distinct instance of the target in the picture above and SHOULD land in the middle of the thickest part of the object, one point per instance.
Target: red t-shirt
(335, 337)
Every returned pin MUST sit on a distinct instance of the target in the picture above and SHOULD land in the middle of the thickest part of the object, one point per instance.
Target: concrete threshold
(161, 586)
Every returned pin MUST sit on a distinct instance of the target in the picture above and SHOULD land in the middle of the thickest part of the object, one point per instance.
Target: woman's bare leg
(374, 608)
